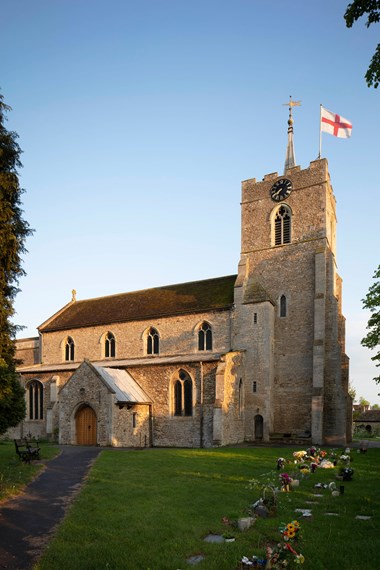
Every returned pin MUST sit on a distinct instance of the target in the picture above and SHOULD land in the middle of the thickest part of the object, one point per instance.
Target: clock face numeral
(281, 189)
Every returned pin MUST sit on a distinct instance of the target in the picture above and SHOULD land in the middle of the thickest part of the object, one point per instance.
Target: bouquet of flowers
(291, 531)
(346, 473)
(312, 451)
(280, 463)
(278, 556)
(285, 481)
(299, 456)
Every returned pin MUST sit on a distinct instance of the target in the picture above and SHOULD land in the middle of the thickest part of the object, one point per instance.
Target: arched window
(205, 337)
(109, 345)
(282, 225)
(153, 342)
(240, 397)
(69, 349)
(282, 306)
(178, 398)
(35, 394)
(183, 395)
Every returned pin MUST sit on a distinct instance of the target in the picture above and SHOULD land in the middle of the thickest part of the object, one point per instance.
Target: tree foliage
(352, 391)
(356, 10)
(13, 232)
(372, 302)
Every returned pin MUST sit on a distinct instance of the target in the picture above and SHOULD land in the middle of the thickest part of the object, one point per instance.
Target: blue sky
(139, 119)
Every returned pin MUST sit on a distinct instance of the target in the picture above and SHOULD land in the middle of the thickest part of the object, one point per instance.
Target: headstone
(245, 523)
(216, 538)
(195, 559)
(262, 511)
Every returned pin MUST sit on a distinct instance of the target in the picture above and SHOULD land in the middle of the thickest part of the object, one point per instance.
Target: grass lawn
(14, 474)
(151, 509)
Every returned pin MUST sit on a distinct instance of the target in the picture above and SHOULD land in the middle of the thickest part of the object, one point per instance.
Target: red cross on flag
(335, 124)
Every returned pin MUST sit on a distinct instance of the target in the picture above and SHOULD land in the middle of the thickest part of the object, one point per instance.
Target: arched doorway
(85, 424)
(259, 427)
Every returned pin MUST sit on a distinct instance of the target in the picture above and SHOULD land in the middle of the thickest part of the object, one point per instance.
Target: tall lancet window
(153, 342)
(109, 346)
(282, 226)
(183, 395)
(205, 337)
(283, 309)
(35, 400)
(69, 349)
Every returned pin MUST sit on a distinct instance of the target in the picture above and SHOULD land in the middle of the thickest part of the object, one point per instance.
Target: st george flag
(335, 124)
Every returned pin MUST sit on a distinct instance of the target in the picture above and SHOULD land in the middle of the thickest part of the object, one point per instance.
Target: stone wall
(178, 336)
(28, 351)
(47, 428)
(179, 431)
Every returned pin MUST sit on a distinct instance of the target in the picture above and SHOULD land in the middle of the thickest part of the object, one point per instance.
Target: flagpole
(320, 131)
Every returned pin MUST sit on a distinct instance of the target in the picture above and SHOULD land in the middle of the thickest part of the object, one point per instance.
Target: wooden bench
(27, 450)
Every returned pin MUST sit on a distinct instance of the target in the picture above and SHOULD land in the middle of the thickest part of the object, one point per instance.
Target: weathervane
(291, 104)
(290, 160)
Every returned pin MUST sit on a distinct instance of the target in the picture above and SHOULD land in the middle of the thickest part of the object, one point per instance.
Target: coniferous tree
(13, 232)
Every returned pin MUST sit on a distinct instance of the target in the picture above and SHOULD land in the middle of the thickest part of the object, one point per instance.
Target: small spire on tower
(290, 159)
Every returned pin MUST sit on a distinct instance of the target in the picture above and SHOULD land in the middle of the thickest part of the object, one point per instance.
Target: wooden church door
(86, 426)
(259, 427)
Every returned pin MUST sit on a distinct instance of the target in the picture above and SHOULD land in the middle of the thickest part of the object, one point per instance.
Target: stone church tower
(288, 308)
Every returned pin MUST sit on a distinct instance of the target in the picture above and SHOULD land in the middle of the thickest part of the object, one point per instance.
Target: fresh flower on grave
(304, 468)
(253, 562)
(313, 467)
(299, 456)
(346, 473)
(281, 555)
(280, 462)
(290, 531)
(285, 479)
(312, 451)
(345, 458)
(326, 464)
(285, 482)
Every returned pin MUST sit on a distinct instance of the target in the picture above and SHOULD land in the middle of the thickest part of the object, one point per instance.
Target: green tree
(13, 232)
(352, 391)
(356, 10)
(372, 302)
(363, 401)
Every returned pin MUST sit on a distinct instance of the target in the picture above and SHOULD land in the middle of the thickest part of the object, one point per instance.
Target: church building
(256, 356)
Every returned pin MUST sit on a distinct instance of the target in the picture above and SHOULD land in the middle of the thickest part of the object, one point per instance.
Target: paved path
(28, 521)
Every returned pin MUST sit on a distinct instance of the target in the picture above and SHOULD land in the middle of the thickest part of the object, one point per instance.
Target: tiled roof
(196, 296)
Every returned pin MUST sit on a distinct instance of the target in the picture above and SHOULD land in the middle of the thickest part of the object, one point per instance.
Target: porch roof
(121, 383)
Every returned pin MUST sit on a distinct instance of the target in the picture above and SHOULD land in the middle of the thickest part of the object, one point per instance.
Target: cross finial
(74, 295)
(290, 160)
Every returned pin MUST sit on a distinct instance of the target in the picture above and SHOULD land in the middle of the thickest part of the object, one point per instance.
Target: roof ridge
(233, 275)
(211, 294)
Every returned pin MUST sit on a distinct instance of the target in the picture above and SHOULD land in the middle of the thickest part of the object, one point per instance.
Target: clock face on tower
(281, 189)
